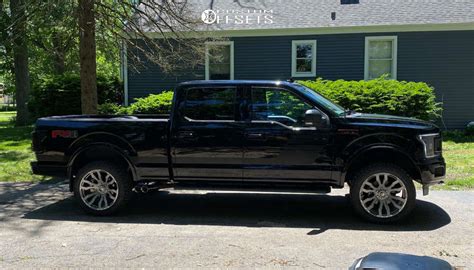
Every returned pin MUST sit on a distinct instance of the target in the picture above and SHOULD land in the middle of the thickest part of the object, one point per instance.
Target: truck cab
(251, 135)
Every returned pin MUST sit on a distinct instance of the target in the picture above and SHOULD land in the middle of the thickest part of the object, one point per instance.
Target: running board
(261, 187)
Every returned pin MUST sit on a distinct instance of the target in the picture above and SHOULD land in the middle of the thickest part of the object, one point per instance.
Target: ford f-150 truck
(244, 135)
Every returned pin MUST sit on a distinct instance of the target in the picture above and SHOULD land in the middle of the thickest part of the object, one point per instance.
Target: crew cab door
(278, 144)
(206, 136)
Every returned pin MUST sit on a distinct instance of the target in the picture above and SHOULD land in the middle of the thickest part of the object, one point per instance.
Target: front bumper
(433, 172)
(48, 169)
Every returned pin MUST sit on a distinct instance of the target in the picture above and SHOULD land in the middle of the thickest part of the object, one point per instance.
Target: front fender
(394, 145)
(367, 142)
(373, 148)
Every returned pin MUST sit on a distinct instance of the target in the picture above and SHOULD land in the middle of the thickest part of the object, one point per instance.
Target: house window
(380, 57)
(349, 2)
(303, 58)
(220, 60)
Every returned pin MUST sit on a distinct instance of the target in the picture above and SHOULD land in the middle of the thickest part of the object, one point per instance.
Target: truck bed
(58, 140)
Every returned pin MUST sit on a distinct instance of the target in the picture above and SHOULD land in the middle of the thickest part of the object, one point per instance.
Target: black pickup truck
(244, 135)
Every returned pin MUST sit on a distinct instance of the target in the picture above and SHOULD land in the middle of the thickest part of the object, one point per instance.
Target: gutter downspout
(124, 72)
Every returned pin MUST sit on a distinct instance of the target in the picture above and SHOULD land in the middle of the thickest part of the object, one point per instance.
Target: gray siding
(445, 60)
(149, 79)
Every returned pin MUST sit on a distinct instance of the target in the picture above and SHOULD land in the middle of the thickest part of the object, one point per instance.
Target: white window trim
(294, 73)
(231, 43)
(394, 40)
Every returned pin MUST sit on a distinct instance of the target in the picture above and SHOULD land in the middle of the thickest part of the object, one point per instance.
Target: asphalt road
(41, 226)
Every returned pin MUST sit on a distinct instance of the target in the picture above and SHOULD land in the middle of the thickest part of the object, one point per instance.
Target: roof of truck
(234, 82)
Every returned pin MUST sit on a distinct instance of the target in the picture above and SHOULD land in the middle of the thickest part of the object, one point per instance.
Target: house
(413, 40)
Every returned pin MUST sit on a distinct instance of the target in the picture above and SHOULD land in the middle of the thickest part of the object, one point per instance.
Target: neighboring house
(413, 40)
(5, 99)
(2, 94)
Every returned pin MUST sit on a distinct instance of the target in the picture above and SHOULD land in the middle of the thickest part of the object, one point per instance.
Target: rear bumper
(433, 173)
(48, 169)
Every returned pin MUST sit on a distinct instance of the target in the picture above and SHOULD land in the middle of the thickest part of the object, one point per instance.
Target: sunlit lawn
(459, 155)
(16, 154)
(15, 151)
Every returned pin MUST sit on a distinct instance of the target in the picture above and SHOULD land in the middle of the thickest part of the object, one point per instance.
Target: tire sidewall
(382, 168)
(123, 182)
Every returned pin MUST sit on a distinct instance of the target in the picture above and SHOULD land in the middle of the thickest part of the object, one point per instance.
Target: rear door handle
(185, 134)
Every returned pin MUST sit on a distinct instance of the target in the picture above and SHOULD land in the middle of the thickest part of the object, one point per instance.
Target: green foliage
(61, 94)
(412, 99)
(112, 109)
(7, 108)
(285, 103)
(152, 104)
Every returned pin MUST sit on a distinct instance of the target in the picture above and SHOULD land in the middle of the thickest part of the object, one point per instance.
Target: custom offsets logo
(248, 16)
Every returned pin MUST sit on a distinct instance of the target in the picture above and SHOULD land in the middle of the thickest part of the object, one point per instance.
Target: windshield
(319, 99)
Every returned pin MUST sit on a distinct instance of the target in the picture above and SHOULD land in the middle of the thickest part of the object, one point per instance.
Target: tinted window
(321, 100)
(210, 103)
(278, 105)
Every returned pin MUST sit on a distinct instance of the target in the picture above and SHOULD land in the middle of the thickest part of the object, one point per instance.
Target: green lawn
(15, 155)
(458, 151)
(15, 151)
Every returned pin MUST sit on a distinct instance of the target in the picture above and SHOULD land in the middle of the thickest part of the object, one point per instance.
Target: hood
(366, 119)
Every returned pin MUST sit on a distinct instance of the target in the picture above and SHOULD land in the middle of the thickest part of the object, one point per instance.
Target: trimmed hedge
(411, 99)
(61, 95)
(112, 109)
(152, 104)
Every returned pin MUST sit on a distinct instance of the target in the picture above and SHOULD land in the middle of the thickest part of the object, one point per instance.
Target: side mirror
(315, 118)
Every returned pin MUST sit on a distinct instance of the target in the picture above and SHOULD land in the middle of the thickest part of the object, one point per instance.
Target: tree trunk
(87, 56)
(59, 53)
(20, 59)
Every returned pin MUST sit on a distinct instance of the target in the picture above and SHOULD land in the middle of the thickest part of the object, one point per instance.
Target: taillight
(61, 133)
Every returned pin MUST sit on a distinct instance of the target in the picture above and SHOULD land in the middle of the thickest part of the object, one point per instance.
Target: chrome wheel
(383, 195)
(98, 189)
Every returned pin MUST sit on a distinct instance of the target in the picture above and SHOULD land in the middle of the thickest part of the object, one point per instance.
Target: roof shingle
(317, 13)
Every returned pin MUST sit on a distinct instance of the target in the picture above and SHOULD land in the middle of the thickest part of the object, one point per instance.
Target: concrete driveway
(41, 226)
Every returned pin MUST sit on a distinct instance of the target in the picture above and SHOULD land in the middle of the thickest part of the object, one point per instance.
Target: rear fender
(104, 141)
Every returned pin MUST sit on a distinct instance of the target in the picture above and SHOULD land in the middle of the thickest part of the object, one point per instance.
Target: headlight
(431, 144)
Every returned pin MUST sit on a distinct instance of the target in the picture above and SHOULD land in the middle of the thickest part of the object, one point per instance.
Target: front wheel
(383, 193)
(102, 188)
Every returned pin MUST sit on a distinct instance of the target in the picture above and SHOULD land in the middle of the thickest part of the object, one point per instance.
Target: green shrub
(112, 109)
(153, 104)
(412, 99)
(61, 95)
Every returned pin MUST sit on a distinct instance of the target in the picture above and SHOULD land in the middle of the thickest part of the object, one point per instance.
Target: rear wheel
(383, 193)
(102, 188)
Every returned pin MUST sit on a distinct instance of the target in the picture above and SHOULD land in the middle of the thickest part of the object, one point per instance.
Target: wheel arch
(98, 151)
(380, 154)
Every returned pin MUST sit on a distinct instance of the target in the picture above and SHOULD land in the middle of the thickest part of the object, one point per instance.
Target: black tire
(123, 183)
(383, 195)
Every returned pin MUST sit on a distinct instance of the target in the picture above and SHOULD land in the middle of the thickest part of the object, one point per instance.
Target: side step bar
(253, 187)
(145, 187)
